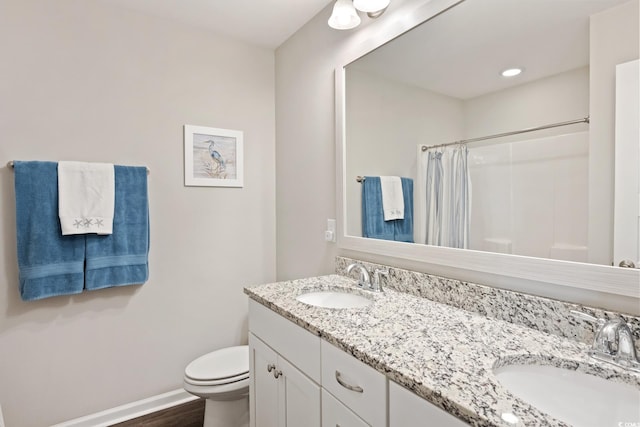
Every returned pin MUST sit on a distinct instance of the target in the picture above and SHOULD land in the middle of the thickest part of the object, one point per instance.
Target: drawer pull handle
(276, 374)
(271, 367)
(355, 388)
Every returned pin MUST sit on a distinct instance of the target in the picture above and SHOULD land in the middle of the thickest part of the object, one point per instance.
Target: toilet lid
(221, 364)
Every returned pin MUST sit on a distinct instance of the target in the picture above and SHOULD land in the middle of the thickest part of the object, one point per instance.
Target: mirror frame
(594, 277)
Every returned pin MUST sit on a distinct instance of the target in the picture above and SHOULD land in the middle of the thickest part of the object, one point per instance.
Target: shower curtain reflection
(443, 196)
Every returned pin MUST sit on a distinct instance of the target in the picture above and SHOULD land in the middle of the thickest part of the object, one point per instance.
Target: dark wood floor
(187, 415)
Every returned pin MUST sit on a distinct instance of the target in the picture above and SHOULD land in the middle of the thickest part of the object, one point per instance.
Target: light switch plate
(330, 233)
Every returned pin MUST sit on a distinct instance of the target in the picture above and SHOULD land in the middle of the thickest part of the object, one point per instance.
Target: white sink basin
(574, 397)
(334, 299)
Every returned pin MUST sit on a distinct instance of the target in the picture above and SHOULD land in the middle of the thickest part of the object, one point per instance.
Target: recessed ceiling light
(511, 72)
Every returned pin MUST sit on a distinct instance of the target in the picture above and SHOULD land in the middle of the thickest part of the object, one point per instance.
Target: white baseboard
(131, 410)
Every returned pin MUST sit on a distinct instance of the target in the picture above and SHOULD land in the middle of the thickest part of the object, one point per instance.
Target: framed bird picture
(212, 157)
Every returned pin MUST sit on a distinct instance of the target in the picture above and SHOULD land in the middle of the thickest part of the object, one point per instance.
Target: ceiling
(462, 52)
(266, 23)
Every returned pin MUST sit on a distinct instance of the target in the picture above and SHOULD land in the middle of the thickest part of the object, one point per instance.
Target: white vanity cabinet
(299, 380)
(284, 396)
(284, 369)
(407, 409)
(358, 386)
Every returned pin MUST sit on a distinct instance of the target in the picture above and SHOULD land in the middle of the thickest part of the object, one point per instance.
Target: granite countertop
(444, 354)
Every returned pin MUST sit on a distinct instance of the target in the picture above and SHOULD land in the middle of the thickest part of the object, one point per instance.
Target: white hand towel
(86, 196)
(392, 197)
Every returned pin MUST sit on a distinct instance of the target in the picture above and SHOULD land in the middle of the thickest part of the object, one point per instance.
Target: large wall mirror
(519, 175)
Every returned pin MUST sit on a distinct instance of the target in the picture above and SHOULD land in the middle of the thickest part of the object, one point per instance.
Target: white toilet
(222, 378)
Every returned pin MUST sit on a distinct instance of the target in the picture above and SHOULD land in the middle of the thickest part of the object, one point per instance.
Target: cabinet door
(335, 413)
(407, 409)
(300, 397)
(263, 393)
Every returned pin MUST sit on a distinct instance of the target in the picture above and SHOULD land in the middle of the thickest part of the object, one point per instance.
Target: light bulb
(370, 5)
(344, 16)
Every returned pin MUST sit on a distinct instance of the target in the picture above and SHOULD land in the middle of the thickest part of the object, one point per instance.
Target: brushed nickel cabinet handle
(627, 263)
(355, 388)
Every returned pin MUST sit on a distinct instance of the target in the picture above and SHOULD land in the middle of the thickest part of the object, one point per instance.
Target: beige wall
(305, 152)
(84, 80)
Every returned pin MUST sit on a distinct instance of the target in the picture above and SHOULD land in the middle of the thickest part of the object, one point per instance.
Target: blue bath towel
(373, 224)
(122, 258)
(403, 231)
(50, 264)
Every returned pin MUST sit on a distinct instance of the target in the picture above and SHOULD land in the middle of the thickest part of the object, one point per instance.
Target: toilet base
(228, 413)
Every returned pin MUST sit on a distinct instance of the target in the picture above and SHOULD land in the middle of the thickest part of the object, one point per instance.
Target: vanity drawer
(358, 386)
(297, 345)
(335, 413)
(408, 409)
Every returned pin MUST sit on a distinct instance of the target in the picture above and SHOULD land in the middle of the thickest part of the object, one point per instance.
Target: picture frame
(213, 157)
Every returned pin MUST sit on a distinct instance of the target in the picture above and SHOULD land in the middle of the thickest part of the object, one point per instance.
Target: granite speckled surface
(539, 313)
(442, 353)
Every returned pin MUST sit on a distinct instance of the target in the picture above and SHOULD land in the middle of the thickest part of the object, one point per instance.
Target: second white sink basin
(334, 299)
(574, 397)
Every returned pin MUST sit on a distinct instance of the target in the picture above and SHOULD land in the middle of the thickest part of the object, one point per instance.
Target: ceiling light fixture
(345, 16)
(511, 72)
(374, 15)
(371, 6)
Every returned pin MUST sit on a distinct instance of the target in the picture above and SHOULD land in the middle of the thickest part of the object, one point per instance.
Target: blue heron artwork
(214, 156)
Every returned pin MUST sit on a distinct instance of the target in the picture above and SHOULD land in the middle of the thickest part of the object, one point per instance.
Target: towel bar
(10, 166)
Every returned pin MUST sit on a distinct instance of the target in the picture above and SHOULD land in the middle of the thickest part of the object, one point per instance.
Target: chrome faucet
(613, 342)
(376, 286)
(364, 280)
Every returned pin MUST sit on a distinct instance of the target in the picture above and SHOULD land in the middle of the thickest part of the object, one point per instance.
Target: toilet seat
(220, 367)
(216, 382)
